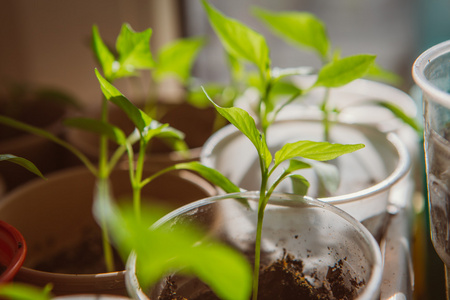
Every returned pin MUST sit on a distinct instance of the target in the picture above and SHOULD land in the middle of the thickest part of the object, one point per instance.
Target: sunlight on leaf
(102, 53)
(212, 175)
(320, 151)
(134, 50)
(246, 124)
(345, 70)
(239, 41)
(301, 28)
(177, 58)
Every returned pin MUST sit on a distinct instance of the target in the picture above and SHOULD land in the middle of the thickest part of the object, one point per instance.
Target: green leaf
(185, 248)
(134, 50)
(300, 185)
(21, 162)
(246, 124)
(16, 290)
(212, 175)
(238, 40)
(112, 132)
(177, 58)
(378, 73)
(47, 135)
(343, 71)
(102, 53)
(162, 131)
(137, 116)
(301, 28)
(399, 113)
(328, 175)
(295, 164)
(320, 151)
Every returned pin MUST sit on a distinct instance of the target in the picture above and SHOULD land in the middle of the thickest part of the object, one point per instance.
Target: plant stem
(136, 181)
(326, 116)
(261, 207)
(103, 173)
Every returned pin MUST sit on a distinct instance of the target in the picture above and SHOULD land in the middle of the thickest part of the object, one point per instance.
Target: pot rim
(418, 72)
(20, 251)
(402, 168)
(281, 199)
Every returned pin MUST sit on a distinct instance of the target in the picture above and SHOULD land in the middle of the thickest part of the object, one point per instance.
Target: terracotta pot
(13, 250)
(56, 215)
(197, 125)
(318, 234)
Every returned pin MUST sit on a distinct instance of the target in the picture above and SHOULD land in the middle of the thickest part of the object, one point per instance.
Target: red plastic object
(12, 251)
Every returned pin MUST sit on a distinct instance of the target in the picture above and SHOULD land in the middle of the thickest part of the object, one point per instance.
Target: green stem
(326, 116)
(261, 206)
(103, 173)
(103, 154)
(137, 180)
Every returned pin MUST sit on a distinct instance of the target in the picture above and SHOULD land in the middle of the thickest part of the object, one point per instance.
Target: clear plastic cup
(308, 229)
(431, 72)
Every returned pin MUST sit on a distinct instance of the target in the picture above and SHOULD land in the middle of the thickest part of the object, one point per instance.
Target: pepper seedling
(158, 250)
(291, 153)
(307, 32)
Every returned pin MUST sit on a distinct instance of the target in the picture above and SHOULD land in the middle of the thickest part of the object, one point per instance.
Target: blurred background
(47, 42)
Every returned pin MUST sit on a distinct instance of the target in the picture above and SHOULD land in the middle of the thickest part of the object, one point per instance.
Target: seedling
(294, 153)
(173, 60)
(305, 31)
(158, 250)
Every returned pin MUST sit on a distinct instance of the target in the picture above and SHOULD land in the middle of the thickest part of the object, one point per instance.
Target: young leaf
(239, 41)
(301, 28)
(112, 132)
(21, 162)
(399, 113)
(246, 124)
(328, 175)
(102, 53)
(300, 185)
(163, 131)
(212, 175)
(176, 59)
(320, 151)
(45, 134)
(376, 72)
(134, 50)
(345, 70)
(137, 116)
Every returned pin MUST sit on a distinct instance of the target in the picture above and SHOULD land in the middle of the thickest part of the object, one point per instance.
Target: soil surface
(84, 258)
(285, 280)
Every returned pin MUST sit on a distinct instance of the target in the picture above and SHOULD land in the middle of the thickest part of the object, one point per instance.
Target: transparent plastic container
(317, 233)
(366, 176)
(431, 72)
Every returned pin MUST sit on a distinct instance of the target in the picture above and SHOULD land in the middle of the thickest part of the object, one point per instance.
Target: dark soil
(86, 257)
(285, 280)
